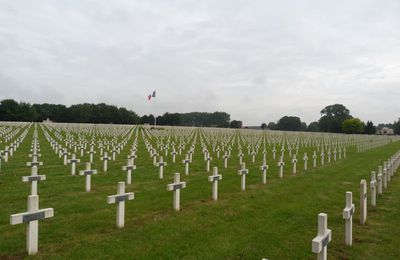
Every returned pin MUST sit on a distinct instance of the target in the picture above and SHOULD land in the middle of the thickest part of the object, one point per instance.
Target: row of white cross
(320, 242)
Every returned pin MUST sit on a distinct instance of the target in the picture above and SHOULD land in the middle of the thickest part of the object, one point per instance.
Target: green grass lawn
(276, 221)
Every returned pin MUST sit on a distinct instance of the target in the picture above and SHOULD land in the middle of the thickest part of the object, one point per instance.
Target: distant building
(385, 131)
(47, 121)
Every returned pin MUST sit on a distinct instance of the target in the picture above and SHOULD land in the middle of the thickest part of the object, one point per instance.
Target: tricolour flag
(152, 95)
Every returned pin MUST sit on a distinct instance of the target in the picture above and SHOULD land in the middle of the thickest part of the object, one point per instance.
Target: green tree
(263, 126)
(290, 123)
(272, 126)
(236, 124)
(369, 128)
(313, 127)
(353, 126)
(332, 118)
(396, 127)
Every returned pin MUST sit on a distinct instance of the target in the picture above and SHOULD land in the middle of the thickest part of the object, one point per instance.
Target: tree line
(10, 110)
(334, 119)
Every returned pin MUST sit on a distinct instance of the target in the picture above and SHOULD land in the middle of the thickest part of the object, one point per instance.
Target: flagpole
(155, 112)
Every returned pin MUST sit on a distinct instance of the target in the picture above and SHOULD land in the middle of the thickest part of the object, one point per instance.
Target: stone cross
(264, 167)
(208, 159)
(173, 153)
(264, 152)
(129, 168)
(322, 157)
(6, 153)
(281, 164)
(65, 154)
(73, 161)
(314, 159)
(114, 150)
(132, 157)
(105, 158)
(373, 185)
(363, 201)
(91, 153)
(334, 154)
(348, 213)
(243, 172)
(33, 179)
(161, 165)
(329, 156)
(385, 174)
(215, 178)
(120, 199)
(388, 171)
(226, 157)
(155, 154)
(34, 162)
(380, 180)
(186, 162)
(321, 241)
(305, 158)
(32, 217)
(294, 161)
(176, 188)
(88, 173)
(273, 153)
(253, 156)
(240, 157)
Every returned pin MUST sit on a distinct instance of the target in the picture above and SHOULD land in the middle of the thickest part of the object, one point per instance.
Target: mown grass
(276, 221)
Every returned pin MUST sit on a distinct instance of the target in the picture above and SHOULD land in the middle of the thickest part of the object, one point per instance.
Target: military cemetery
(199, 130)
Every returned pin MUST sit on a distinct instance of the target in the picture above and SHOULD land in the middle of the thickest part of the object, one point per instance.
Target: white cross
(305, 158)
(264, 167)
(32, 217)
(348, 212)
(105, 158)
(363, 201)
(176, 188)
(243, 172)
(315, 159)
(322, 158)
(226, 157)
(380, 180)
(73, 161)
(373, 189)
(214, 179)
(88, 173)
(294, 161)
(320, 242)
(281, 163)
(208, 159)
(33, 179)
(129, 168)
(120, 199)
(186, 162)
(34, 163)
(161, 165)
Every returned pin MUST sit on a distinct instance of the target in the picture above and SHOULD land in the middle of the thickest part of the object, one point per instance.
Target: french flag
(152, 95)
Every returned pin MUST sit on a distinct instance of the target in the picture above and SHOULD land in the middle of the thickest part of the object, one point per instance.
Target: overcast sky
(257, 60)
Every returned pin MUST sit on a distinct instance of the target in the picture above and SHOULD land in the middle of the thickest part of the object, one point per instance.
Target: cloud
(257, 60)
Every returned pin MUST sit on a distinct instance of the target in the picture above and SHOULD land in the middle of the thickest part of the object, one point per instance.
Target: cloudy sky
(257, 60)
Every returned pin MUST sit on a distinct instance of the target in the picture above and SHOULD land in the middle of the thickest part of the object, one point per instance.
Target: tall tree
(263, 126)
(369, 128)
(353, 126)
(332, 118)
(290, 123)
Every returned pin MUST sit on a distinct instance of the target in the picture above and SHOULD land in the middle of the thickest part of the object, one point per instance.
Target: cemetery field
(277, 220)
